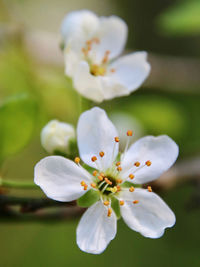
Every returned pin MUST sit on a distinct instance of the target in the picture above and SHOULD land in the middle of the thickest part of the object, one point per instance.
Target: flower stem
(17, 185)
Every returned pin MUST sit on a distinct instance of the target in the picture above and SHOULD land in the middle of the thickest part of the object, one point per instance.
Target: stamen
(137, 164)
(119, 169)
(100, 178)
(121, 202)
(112, 70)
(118, 163)
(105, 58)
(85, 187)
(77, 160)
(96, 40)
(83, 183)
(118, 188)
(149, 188)
(117, 139)
(148, 163)
(85, 51)
(94, 158)
(119, 181)
(131, 189)
(129, 133)
(135, 201)
(93, 185)
(131, 176)
(102, 174)
(101, 154)
(106, 203)
(94, 173)
(109, 212)
(108, 181)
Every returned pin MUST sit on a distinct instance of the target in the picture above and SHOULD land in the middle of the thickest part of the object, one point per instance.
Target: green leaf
(115, 206)
(17, 122)
(183, 18)
(88, 198)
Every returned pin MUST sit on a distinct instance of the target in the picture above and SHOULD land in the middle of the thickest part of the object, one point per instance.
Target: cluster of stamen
(109, 183)
(84, 185)
(96, 69)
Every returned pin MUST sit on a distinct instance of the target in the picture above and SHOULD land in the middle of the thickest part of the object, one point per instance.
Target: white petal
(112, 33)
(150, 216)
(131, 70)
(162, 151)
(78, 27)
(60, 178)
(112, 88)
(71, 59)
(96, 133)
(87, 84)
(96, 229)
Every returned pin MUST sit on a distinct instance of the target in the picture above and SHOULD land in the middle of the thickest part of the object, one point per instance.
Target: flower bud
(56, 136)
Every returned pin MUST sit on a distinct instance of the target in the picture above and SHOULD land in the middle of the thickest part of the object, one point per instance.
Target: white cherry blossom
(92, 45)
(145, 160)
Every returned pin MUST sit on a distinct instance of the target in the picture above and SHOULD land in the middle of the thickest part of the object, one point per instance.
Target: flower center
(96, 69)
(110, 181)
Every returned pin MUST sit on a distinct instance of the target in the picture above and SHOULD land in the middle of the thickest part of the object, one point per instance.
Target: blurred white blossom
(55, 136)
(142, 210)
(91, 47)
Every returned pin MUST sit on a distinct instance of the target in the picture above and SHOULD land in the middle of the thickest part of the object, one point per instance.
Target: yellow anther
(109, 212)
(100, 178)
(112, 70)
(89, 42)
(94, 173)
(137, 163)
(149, 188)
(94, 158)
(93, 185)
(121, 202)
(118, 163)
(106, 203)
(131, 176)
(118, 188)
(119, 169)
(129, 133)
(135, 201)
(148, 163)
(131, 189)
(107, 181)
(77, 160)
(119, 181)
(117, 139)
(101, 154)
(102, 174)
(83, 183)
(85, 187)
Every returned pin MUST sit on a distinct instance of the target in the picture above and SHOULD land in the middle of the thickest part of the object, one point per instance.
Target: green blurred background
(33, 85)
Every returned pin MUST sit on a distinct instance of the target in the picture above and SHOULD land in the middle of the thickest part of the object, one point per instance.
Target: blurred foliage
(17, 123)
(183, 18)
(54, 243)
(50, 96)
